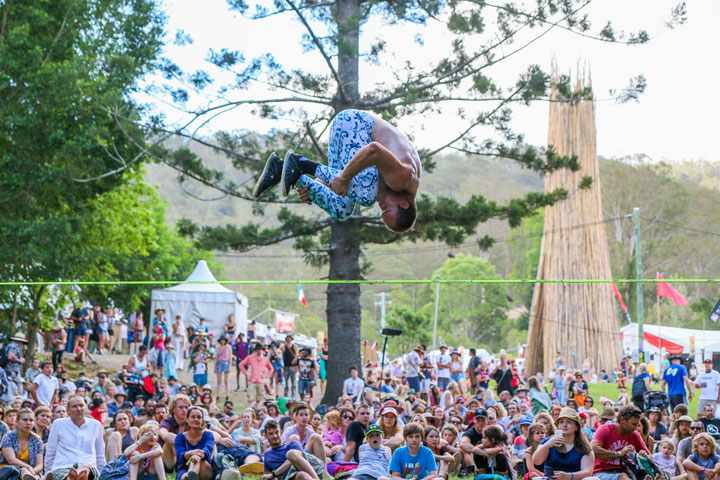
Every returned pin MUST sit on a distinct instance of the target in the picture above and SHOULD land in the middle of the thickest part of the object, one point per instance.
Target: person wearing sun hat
(15, 359)
(374, 456)
(567, 453)
(412, 369)
(58, 342)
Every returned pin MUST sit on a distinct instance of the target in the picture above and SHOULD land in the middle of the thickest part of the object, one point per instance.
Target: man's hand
(339, 186)
(644, 453)
(267, 476)
(304, 195)
(626, 449)
(227, 442)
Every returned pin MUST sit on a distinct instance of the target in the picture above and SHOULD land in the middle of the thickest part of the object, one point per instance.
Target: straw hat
(19, 337)
(570, 414)
(57, 326)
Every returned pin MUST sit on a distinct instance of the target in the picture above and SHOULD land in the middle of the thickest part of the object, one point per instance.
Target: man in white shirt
(412, 367)
(443, 368)
(707, 381)
(352, 387)
(75, 441)
(44, 388)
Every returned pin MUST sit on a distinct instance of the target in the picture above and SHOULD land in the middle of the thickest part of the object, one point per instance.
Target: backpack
(3, 357)
(222, 462)
(638, 386)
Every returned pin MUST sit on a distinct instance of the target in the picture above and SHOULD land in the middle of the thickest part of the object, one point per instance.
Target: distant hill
(684, 193)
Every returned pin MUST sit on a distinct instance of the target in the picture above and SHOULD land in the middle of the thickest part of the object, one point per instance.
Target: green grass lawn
(611, 391)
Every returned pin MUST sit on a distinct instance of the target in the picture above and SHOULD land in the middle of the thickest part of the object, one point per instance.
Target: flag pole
(657, 298)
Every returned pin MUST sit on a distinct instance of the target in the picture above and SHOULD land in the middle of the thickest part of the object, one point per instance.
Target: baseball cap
(373, 429)
(387, 410)
(480, 412)
(526, 420)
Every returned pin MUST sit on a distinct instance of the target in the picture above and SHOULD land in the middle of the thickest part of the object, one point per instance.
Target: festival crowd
(420, 417)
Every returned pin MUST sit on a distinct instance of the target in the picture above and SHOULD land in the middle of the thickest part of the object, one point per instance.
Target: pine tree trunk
(343, 308)
(32, 329)
(343, 301)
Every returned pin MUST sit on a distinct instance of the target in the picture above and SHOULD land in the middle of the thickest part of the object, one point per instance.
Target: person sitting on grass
(443, 457)
(374, 457)
(494, 462)
(22, 448)
(288, 461)
(413, 461)
(194, 448)
(536, 434)
(704, 463)
(146, 454)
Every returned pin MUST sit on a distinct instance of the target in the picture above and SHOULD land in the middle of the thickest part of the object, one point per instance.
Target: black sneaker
(290, 172)
(270, 175)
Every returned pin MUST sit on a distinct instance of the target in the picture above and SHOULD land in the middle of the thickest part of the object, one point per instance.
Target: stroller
(135, 386)
(656, 399)
(640, 468)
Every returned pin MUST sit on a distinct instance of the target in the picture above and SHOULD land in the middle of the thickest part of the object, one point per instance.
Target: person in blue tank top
(567, 454)
(675, 377)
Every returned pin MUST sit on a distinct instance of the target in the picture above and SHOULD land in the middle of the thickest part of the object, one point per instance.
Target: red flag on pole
(665, 290)
(616, 292)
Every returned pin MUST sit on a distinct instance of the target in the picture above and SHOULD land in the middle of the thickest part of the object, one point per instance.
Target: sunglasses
(456, 422)
(696, 428)
(347, 417)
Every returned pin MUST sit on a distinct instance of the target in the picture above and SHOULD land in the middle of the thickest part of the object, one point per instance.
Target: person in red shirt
(614, 440)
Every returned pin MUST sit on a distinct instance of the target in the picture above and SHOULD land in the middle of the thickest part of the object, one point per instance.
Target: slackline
(363, 282)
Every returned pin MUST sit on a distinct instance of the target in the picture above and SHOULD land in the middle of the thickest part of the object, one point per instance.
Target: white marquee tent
(211, 301)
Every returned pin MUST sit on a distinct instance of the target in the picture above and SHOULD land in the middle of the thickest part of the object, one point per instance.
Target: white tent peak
(201, 273)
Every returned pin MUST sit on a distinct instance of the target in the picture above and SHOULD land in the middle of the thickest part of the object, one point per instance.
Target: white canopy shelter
(211, 301)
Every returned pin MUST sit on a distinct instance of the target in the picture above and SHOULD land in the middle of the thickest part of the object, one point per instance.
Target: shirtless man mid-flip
(369, 160)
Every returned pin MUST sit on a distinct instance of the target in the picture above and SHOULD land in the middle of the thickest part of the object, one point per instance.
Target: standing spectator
(640, 385)
(202, 327)
(180, 341)
(138, 329)
(353, 386)
(426, 370)
(322, 361)
(200, 361)
(222, 366)
(76, 440)
(456, 370)
(307, 371)
(157, 354)
(473, 370)
(58, 342)
(260, 371)
(442, 363)
(413, 365)
(559, 383)
(240, 352)
(229, 328)
(81, 317)
(159, 321)
(675, 377)
(13, 351)
(22, 448)
(44, 388)
(290, 357)
(276, 379)
(170, 368)
(101, 321)
(503, 375)
(708, 382)
(110, 314)
(33, 371)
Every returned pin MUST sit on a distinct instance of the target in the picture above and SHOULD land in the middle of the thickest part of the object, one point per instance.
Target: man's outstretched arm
(396, 175)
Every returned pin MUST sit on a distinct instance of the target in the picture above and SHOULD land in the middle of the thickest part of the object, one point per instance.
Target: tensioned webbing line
(362, 282)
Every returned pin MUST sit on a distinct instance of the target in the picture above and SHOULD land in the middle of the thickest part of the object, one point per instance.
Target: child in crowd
(145, 455)
(332, 436)
(518, 448)
(374, 457)
(413, 461)
(536, 434)
(443, 457)
(703, 458)
(665, 457)
(494, 458)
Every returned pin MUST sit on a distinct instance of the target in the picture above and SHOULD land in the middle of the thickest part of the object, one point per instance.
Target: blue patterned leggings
(351, 130)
